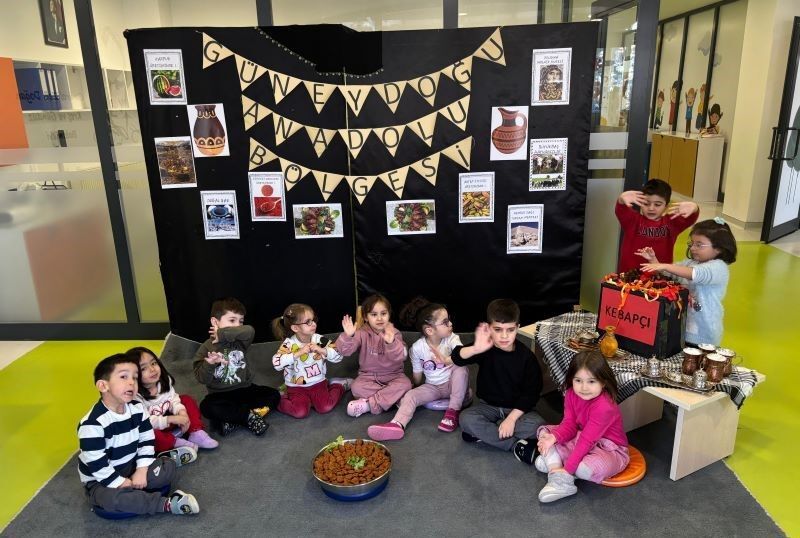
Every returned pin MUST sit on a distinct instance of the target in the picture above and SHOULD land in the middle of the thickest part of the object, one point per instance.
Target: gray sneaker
(559, 485)
(540, 465)
(180, 503)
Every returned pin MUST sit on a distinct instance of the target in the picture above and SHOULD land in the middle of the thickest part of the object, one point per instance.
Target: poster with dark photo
(175, 162)
(53, 26)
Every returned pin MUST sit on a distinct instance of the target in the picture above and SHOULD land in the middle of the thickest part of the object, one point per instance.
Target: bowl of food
(352, 469)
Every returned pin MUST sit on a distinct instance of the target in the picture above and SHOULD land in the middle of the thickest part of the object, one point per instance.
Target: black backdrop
(462, 265)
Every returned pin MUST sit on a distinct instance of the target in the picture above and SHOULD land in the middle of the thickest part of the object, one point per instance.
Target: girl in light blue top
(711, 248)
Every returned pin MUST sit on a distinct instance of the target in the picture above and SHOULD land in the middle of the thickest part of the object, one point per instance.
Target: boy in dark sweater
(220, 364)
(509, 382)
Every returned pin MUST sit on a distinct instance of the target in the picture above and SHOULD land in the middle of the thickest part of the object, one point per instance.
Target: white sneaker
(181, 503)
(540, 465)
(559, 485)
(343, 381)
(180, 455)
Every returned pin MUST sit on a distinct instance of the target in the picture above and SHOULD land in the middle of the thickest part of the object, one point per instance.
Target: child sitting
(382, 351)
(430, 355)
(116, 461)
(233, 399)
(590, 442)
(302, 357)
(171, 416)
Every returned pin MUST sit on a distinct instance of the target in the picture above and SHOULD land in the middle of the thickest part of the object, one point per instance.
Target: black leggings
(235, 405)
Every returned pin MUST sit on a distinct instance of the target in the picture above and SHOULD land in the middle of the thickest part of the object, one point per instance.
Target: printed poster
(411, 217)
(524, 233)
(476, 197)
(175, 162)
(317, 221)
(220, 217)
(509, 130)
(166, 84)
(548, 164)
(209, 133)
(550, 76)
(267, 199)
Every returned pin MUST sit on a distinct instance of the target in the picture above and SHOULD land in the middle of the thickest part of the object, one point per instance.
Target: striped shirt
(109, 441)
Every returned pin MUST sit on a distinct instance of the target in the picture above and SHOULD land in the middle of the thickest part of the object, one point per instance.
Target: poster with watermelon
(267, 200)
(165, 76)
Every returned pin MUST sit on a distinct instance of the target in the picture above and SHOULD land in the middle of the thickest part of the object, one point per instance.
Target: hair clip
(720, 220)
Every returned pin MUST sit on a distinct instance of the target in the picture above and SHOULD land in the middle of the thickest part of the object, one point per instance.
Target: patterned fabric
(551, 335)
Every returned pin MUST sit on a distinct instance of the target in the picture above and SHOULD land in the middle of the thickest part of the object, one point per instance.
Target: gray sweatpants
(135, 501)
(482, 421)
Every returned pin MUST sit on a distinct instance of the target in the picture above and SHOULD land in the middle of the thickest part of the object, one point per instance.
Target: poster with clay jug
(509, 129)
(209, 133)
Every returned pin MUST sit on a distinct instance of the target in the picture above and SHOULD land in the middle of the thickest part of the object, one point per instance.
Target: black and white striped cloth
(552, 335)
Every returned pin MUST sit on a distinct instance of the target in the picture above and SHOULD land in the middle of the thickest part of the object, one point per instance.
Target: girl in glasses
(302, 358)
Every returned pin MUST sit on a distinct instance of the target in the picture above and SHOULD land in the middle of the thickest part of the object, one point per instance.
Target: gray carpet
(440, 486)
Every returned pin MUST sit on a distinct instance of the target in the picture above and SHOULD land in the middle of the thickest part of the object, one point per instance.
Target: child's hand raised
(212, 332)
(389, 333)
(483, 338)
(682, 209)
(348, 326)
(629, 198)
(215, 357)
(648, 254)
(653, 267)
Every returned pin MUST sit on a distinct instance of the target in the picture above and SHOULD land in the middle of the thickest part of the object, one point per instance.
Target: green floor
(44, 393)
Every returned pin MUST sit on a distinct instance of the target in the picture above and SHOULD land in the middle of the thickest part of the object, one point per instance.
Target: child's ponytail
(419, 313)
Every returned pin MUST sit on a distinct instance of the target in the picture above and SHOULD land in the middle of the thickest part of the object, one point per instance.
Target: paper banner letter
(426, 86)
(459, 152)
(461, 72)
(259, 155)
(457, 112)
(320, 138)
(424, 126)
(284, 128)
(391, 92)
(282, 85)
(213, 52)
(355, 96)
(292, 173)
(492, 49)
(428, 168)
(327, 182)
(355, 139)
(248, 71)
(361, 185)
(319, 93)
(396, 180)
(253, 112)
(390, 136)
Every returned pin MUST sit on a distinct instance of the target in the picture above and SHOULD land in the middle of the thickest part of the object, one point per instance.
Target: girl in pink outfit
(382, 351)
(590, 442)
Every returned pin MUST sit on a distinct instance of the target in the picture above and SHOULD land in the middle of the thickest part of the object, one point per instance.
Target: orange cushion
(631, 474)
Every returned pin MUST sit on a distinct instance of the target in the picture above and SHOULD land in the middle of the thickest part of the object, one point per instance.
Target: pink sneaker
(356, 408)
(450, 421)
(390, 431)
(180, 441)
(203, 440)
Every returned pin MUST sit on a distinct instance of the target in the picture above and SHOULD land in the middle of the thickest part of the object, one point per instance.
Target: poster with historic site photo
(175, 162)
(524, 233)
(550, 76)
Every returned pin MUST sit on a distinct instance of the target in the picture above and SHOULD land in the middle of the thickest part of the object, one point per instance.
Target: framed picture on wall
(53, 25)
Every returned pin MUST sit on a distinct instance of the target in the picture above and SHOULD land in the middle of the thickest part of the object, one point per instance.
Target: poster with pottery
(209, 133)
(175, 162)
(267, 199)
(509, 130)
(548, 164)
(317, 221)
(524, 233)
(411, 217)
(165, 75)
(476, 197)
(550, 76)
(220, 217)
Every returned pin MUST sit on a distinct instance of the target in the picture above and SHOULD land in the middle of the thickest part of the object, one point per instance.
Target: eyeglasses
(446, 322)
(697, 244)
(308, 322)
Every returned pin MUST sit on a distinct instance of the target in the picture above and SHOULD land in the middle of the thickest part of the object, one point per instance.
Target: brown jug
(208, 133)
(609, 344)
(508, 137)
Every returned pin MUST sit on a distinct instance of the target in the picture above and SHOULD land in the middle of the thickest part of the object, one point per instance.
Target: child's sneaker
(181, 503)
(540, 465)
(356, 408)
(468, 438)
(524, 451)
(256, 424)
(450, 421)
(390, 431)
(227, 428)
(180, 441)
(559, 485)
(203, 440)
(261, 411)
(181, 455)
(343, 381)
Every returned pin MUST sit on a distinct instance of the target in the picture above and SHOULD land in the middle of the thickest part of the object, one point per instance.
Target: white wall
(22, 38)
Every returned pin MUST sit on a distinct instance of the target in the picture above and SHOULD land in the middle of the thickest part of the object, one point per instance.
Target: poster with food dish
(220, 217)
(175, 162)
(476, 197)
(550, 76)
(267, 199)
(408, 217)
(209, 133)
(509, 128)
(165, 80)
(524, 233)
(548, 164)
(317, 221)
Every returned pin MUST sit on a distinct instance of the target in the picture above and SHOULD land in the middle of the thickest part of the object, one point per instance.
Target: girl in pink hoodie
(381, 381)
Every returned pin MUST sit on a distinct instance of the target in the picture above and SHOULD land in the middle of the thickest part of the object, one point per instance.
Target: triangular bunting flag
(391, 92)
(424, 126)
(492, 49)
(320, 138)
(282, 85)
(253, 112)
(390, 136)
(327, 182)
(319, 93)
(292, 173)
(355, 139)
(459, 152)
(355, 95)
(461, 72)
(457, 112)
(248, 71)
(428, 168)
(396, 180)
(284, 127)
(426, 86)
(213, 52)
(361, 185)
(259, 155)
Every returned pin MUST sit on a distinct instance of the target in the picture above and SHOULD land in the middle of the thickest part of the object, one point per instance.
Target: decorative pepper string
(650, 288)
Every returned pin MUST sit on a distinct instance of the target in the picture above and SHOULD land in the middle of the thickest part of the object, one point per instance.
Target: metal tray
(710, 387)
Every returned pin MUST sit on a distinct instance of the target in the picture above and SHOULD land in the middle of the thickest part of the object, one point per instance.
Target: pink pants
(604, 459)
(297, 401)
(165, 439)
(455, 388)
(382, 391)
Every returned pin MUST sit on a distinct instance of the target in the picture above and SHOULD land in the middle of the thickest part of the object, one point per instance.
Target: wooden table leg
(702, 436)
(640, 409)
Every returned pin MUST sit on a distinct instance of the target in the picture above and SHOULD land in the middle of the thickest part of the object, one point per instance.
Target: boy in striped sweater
(116, 463)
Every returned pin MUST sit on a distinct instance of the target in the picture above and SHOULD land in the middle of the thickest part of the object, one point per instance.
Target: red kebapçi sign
(637, 320)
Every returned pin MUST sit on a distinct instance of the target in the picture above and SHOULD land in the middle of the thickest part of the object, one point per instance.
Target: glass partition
(363, 15)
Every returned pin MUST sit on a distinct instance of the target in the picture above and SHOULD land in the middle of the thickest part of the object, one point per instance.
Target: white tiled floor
(12, 350)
